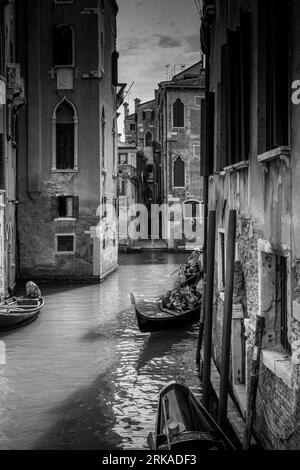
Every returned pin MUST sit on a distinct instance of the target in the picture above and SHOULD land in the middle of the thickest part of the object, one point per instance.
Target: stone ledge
(242, 165)
(278, 363)
(283, 153)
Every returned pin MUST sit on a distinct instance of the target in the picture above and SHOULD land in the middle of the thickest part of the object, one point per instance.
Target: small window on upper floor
(65, 207)
(179, 173)
(63, 1)
(178, 113)
(132, 127)
(148, 139)
(65, 137)
(65, 243)
(63, 46)
(198, 100)
(123, 158)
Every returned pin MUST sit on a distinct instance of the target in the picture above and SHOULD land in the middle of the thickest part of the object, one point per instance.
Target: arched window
(64, 136)
(178, 113)
(63, 46)
(103, 138)
(179, 173)
(148, 139)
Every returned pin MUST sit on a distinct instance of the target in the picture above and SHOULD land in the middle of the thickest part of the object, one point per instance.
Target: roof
(147, 102)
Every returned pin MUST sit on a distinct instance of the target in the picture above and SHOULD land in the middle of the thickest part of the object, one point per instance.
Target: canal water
(82, 376)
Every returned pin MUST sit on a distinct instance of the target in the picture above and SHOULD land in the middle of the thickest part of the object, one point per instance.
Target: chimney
(136, 104)
(126, 109)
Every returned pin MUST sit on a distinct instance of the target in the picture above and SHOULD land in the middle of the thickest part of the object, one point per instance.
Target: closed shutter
(114, 66)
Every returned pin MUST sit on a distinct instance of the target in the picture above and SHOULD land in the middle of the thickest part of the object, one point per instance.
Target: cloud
(167, 41)
(192, 42)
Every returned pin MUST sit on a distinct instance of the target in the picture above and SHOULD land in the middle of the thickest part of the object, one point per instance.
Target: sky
(151, 35)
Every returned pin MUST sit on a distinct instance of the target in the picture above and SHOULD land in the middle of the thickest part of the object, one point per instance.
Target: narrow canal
(82, 376)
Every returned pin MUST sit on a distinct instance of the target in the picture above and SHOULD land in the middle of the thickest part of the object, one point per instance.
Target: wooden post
(254, 377)
(226, 335)
(202, 314)
(209, 307)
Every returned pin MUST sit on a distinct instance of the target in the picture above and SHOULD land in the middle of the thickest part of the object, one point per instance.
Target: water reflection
(83, 376)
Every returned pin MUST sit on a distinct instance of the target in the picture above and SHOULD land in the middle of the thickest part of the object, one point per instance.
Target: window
(63, 46)
(191, 209)
(274, 71)
(2, 42)
(197, 100)
(144, 115)
(273, 299)
(179, 173)
(196, 151)
(103, 139)
(123, 158)
(132, 127)
(63, 1)
(64, 136)
(238, 75)
(102, 50)
(178, 113)
(123, 188)
(102, 4)
(221, 260)
(148, 139)
(114, 66)
(104, 207)
(65, 243)
(65, 207)
(115, 206)
(2, 162)
(114, 133)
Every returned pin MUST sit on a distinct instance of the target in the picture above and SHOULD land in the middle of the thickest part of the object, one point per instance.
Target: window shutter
(175, 114)
(76, 207)
(54, 207)
(2, 170)
(114, 64)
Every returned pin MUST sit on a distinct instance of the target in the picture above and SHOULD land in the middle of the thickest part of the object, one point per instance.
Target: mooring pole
(209, 307)
(254, 377)
(204, 267)
(227, 320)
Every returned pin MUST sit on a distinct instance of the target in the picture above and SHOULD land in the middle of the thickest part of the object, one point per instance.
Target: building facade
(67, 171)
(179, 110)
(12, 99)
(132, 188)
(252, 166)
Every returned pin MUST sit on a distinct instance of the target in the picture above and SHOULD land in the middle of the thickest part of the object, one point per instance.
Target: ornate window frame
(75, 120)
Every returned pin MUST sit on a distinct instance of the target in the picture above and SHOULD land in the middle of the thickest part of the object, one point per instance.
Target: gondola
(151, 316)
(193, 279)
(19, 311)
(183, 424)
